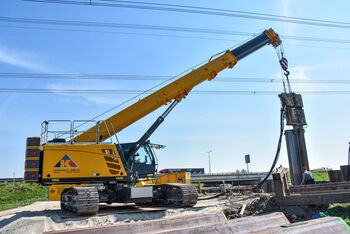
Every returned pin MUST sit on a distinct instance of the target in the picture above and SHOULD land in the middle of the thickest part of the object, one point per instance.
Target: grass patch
(205, 194)
(340, 210)
(20, 194)
(197, 184)
(318, 176)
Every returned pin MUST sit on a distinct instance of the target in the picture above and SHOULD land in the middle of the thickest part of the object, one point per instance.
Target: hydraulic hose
(277, 151)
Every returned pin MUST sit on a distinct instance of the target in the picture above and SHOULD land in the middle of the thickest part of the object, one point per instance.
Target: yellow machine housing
(81, 162)
(56, 190)
(177, 177)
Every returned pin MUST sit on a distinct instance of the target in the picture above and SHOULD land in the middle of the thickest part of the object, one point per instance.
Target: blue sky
(230, 126)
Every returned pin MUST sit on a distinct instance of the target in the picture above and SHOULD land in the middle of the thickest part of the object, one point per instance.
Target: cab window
(143, 155)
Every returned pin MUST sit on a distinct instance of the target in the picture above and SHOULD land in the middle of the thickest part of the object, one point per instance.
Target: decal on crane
(66, 162)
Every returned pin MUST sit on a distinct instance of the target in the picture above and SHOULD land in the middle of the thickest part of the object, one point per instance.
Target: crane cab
(143, 162)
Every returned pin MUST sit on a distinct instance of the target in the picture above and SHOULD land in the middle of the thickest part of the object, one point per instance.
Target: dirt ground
(266, 204)
(47, 216)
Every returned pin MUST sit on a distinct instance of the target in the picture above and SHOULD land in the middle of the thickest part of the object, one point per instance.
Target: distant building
(194, 171)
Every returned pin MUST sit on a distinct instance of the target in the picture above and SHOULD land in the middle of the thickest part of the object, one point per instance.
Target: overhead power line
(51, 76)
(165, 35)
(156, 27)
(197, 92)
(203, 11)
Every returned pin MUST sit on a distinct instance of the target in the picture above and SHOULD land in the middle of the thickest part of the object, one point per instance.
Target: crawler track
(184, 195)
(80, 200)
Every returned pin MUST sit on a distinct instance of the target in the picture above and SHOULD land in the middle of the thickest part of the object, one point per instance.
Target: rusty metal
(345, 172)
(241, 225)
(320, 226)
(334, 175)
(217, 223)
(315, 194)
(320, 187)
(316, 198)
(297, 154)
(153, 225)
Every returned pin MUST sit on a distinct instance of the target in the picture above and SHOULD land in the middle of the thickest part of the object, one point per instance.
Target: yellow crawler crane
(85, 157)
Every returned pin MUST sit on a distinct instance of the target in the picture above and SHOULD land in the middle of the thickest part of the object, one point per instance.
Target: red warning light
(33, 163)
(34, 152)
(34, 141)
(33, 175)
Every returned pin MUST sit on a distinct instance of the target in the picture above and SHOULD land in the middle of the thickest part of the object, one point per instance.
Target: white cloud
(286, 7)
(103, 100)
(286, 11)
(308, 73)
(99, 99)
(22, 59)
(299, 72)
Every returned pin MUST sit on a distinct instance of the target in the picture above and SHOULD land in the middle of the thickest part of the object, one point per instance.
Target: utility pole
(209, 160)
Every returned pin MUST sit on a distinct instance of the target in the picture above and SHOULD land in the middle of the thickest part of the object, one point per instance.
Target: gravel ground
(47, 216)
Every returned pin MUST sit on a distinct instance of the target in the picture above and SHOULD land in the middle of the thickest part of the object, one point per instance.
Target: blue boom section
(251, 46)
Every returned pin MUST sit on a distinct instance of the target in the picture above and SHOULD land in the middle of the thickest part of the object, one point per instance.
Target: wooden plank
(334, 176)
(314, 199)
(319, 187)
(320, 226)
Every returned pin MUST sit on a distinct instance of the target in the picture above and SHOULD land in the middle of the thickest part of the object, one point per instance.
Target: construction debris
(242, 213)
(311, 194)
(267, 203)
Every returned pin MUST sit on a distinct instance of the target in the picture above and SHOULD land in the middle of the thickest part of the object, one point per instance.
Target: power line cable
(163, 35)
(158, 28)
(166, 35)
(138, 95)
(204, 11)
(226, 10)
(57, 76)
(124, 33)
(140, 92)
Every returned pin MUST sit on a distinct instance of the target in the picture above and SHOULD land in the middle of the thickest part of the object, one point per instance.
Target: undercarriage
(85, 200)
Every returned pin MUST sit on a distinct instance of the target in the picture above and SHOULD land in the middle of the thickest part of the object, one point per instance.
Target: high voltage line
(164, 35)
(155, 27)
(51, 76)
(197, 92)
(204, 11)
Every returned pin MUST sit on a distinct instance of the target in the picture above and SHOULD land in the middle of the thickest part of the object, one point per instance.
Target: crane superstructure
(86, 157)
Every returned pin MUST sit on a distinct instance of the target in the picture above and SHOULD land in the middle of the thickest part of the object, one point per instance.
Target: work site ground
(47, 216)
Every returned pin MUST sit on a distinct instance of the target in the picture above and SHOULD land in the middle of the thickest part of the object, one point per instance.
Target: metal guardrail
(3, 180)
(232, 177)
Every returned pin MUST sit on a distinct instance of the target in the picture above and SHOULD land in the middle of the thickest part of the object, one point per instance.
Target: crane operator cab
(143, 162)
